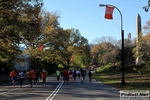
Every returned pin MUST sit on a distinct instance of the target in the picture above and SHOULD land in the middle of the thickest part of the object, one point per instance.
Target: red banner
(92, 54)
(41, 48)
(109, 12)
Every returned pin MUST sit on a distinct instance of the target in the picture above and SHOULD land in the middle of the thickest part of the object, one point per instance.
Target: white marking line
(8, 91)
(52, 95)
(12, 90)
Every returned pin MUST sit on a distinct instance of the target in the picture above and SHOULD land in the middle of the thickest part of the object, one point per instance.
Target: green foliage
(144, 68)
(23, 22)
(104, 69)
(61, 66)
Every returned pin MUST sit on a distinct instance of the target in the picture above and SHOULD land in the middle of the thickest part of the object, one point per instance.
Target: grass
(134, 81)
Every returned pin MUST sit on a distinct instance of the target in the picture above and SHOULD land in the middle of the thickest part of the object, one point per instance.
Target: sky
(88, 17)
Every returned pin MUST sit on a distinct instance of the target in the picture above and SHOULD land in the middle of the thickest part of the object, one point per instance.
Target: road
(59, 91)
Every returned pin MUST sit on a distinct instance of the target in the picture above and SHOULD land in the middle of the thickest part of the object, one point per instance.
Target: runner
(74, 74)
(82, 75)
(58, 75)
(90, 76)
(84, 72)
(70, 75)
(31, 75)
(65, 73)
(44, 75)
(67, 77)
(61, 75)
(78, 73)
(13, 75)
(21, 77)
(36, 77)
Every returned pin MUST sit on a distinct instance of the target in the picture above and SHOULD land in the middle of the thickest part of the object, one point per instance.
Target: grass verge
(134, 81)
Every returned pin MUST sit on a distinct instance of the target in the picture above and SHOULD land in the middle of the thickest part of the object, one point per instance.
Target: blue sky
(88, 17)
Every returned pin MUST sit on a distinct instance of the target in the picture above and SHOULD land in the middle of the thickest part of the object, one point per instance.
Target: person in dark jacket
(90, 76)
(82, 74)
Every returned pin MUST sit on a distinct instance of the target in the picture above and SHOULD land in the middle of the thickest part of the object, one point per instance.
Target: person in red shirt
(64, 73)
(44, 75)
(67, 77)
(13, 75)
(70, 75)
(31, 76)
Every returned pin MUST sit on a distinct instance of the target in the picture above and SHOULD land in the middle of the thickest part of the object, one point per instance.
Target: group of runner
(69, 75)
(32, 75)
(36, 75)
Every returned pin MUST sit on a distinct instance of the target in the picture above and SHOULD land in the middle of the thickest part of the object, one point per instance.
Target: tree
(145, 49)
(129, 57)
(105, 50)
(12, 27)
(75, 46)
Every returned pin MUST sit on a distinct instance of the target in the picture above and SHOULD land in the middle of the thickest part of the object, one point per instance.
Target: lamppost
(122, 35)
(146, 8)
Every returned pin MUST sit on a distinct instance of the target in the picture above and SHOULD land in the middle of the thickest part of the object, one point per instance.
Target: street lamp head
(149, 3)
(102, 5)
(146, 8)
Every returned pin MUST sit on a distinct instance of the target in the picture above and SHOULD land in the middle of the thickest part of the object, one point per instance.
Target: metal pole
(122, 35)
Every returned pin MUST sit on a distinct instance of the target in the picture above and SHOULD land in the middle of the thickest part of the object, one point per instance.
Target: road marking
(53, 94)
(8, 91)
(12, 89)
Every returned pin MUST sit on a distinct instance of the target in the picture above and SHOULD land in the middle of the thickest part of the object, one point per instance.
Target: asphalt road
(59, 91)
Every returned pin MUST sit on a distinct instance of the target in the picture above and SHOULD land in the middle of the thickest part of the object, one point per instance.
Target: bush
(105, 69)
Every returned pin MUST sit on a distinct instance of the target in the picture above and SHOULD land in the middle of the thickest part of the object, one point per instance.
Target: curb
(106, 85)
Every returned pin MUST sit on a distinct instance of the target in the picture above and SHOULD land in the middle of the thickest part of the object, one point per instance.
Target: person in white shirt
(21, 77)
(78, 73)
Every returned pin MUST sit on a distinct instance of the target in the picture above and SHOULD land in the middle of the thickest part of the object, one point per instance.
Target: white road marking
(53, 94)
(12, 89)
(8, 91)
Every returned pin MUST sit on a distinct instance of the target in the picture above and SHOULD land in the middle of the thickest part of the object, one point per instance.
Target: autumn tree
(105, 51)
(12, 27)
(24, 23)
(129, 53)
(145, 49)
(76, 49)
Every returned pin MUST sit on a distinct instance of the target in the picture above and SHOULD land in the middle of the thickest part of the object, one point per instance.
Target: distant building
(129, 36)
(91, 46)
(24, 63)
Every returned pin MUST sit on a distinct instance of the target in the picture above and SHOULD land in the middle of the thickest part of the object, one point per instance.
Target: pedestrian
(58, 75)
(70, 75)
(36, 77)
(90, 76)
(74, 74)
(31, 76)
(82, 74)
(78, 73)
(67, 77)
(61, 75)
(21, 77)
(44, 75)
(40, 77)
(13, 75)
(65, 73)
(28, 76)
